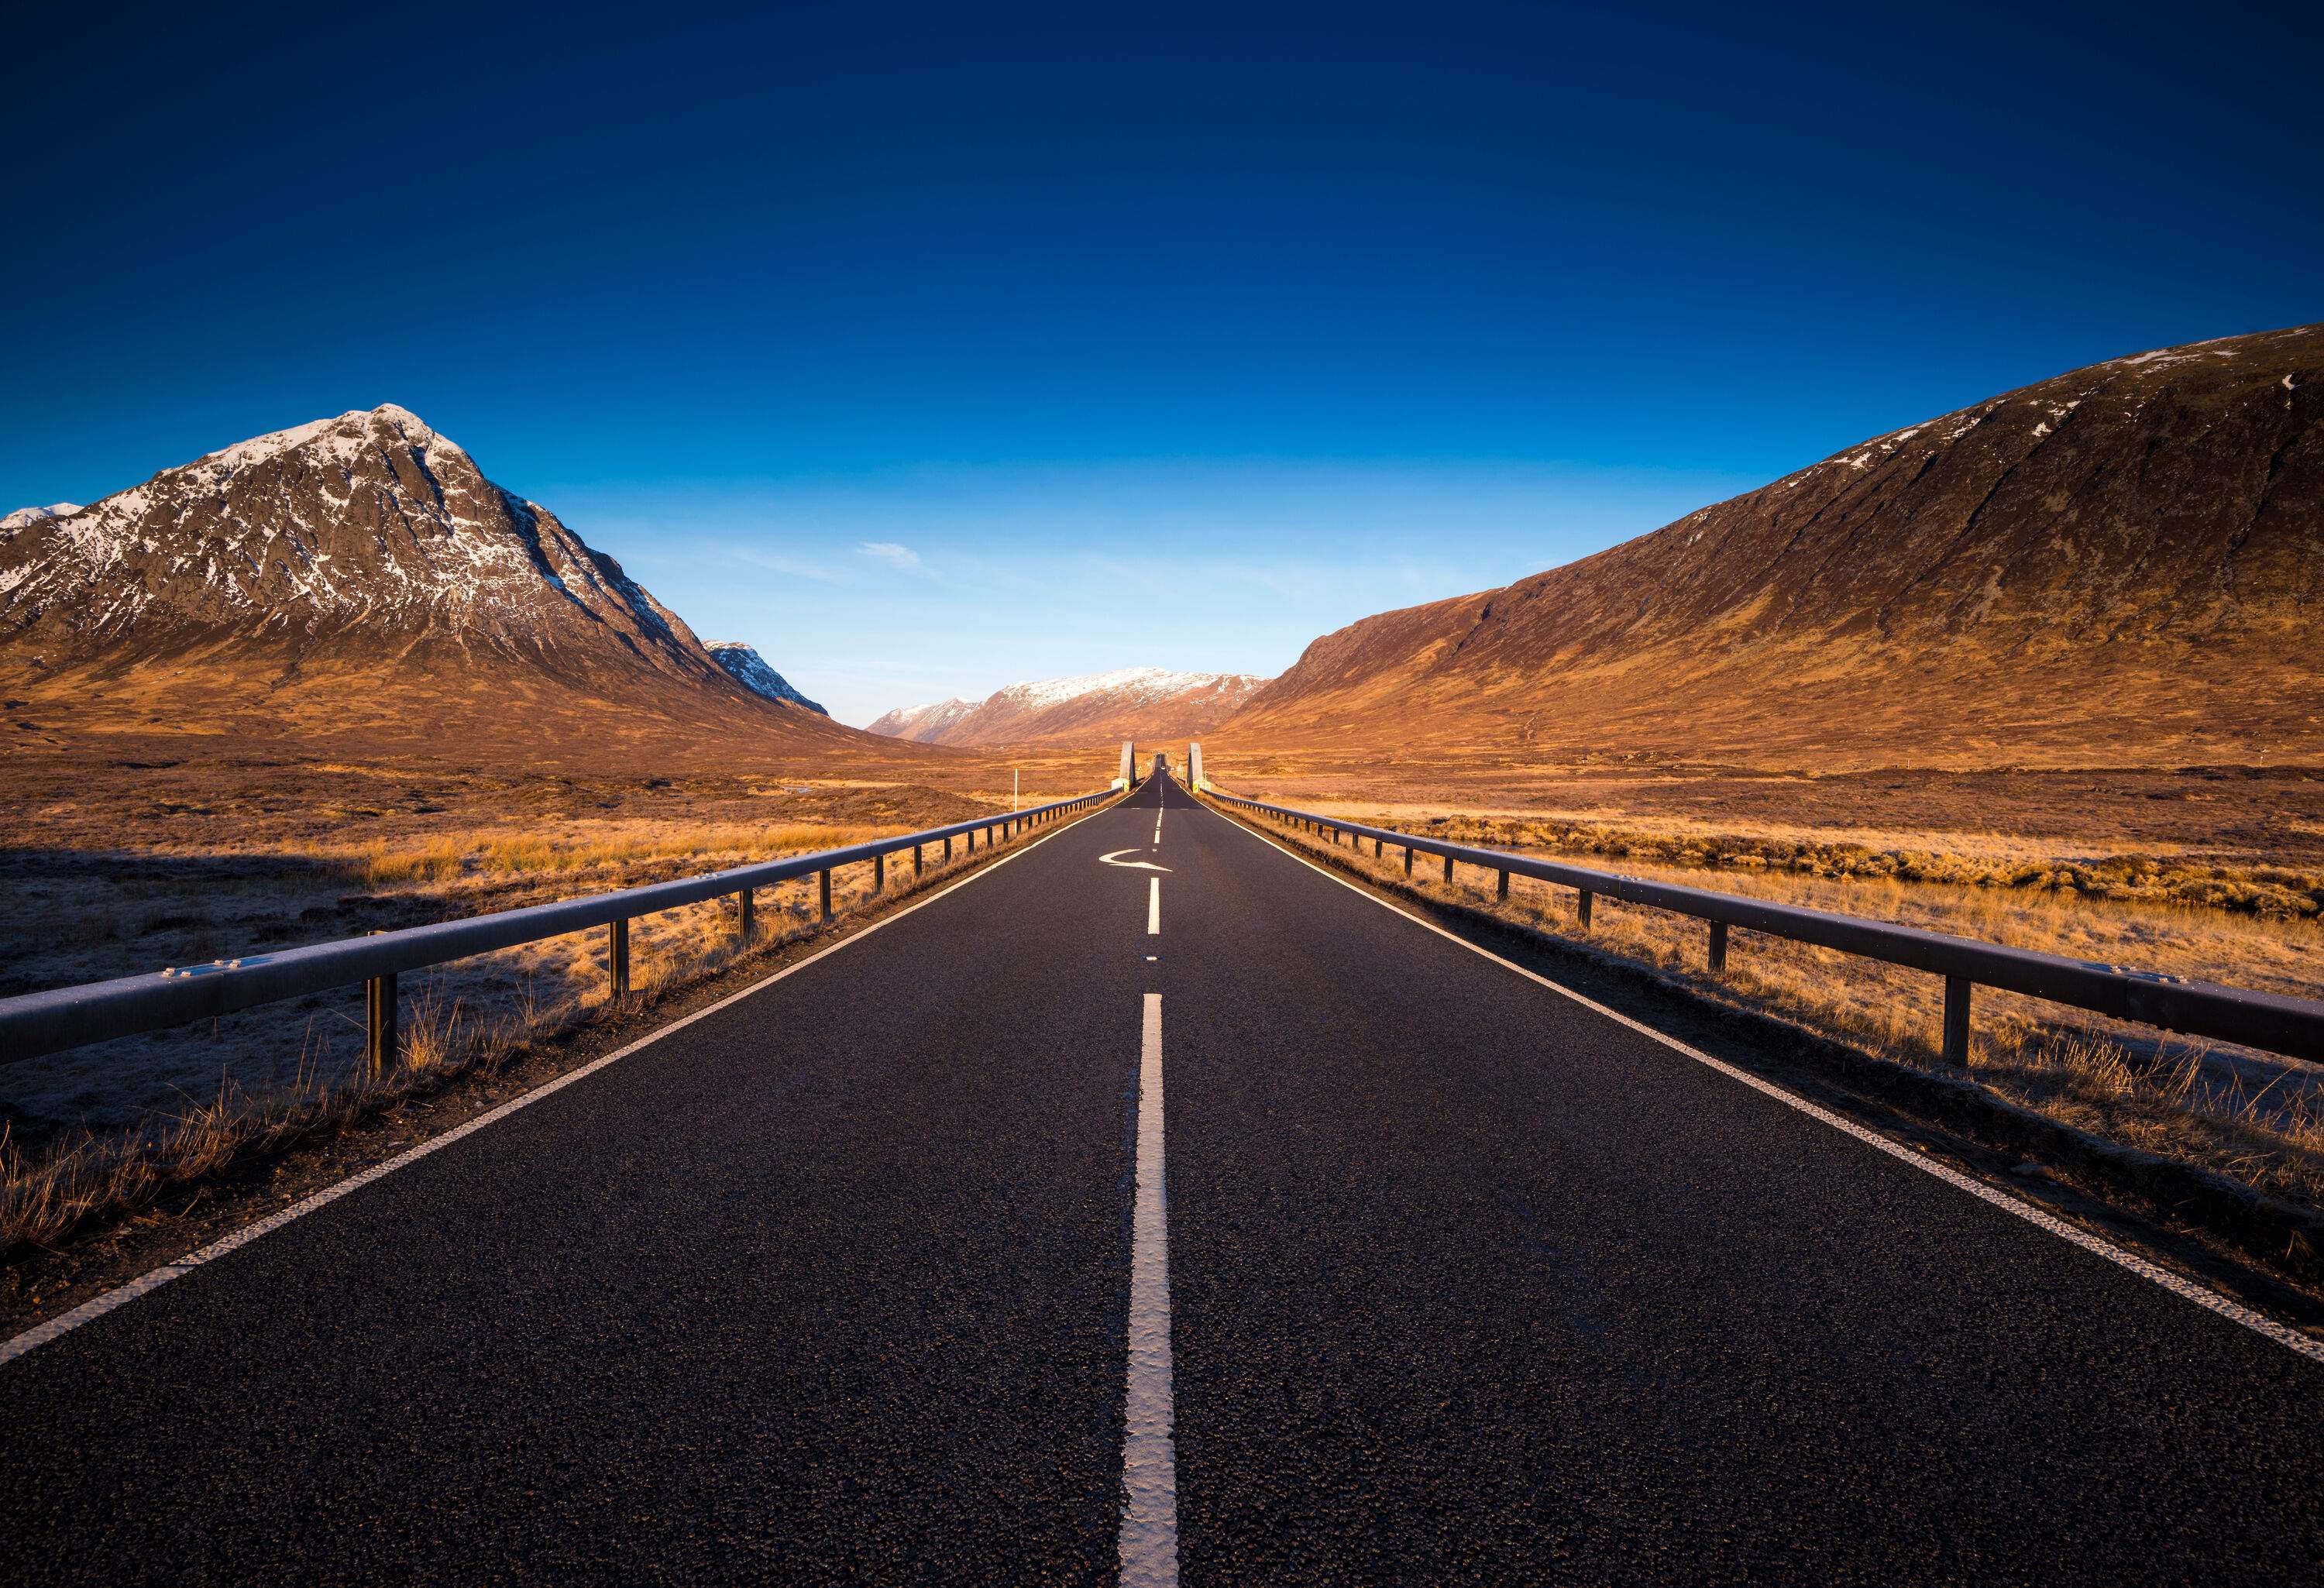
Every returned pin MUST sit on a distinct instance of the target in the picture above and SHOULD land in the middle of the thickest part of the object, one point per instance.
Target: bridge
(1154, 1205)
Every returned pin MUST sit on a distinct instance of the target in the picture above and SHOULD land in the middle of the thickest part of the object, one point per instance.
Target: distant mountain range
(362, 574)
(2123, 565)
(1138, 701)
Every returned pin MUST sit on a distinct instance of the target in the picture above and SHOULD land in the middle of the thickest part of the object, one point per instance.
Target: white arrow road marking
(1154, 908)
(1134, 865)
(1149, 1455)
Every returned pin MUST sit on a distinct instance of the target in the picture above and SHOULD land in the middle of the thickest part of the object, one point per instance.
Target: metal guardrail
(2290, 1025)
(98, 1011)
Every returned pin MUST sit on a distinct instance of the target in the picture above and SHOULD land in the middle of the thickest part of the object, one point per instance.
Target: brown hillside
(2119, 566)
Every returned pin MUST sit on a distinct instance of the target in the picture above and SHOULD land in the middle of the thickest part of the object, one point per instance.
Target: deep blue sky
(930, 348)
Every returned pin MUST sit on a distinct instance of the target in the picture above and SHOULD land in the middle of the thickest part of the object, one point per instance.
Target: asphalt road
(869, 1275)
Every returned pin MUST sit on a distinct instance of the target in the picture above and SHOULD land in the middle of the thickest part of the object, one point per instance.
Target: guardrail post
(748, 928)
(617, 957)
(879, 873)
(823, 881)
(1719, 948)
(1501, 889)
(1407, 860)
(1582, 909)
(915, 860)
(380, 1035)
(1957, 1020)
(1448, 870)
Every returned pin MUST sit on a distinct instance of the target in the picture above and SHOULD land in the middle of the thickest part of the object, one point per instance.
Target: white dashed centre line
(1154, 907)
(1150, 1457)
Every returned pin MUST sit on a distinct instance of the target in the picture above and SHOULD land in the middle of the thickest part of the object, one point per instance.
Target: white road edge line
(1150, 1457)
(2200, 1295)
(97, 1306)
(1154, 907)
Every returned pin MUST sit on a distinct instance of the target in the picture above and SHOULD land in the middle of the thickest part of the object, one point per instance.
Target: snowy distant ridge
(1125, 684)
(927, 725)
(1153, 701)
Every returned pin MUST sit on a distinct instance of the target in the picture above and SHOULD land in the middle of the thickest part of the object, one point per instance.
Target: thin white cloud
(902, 558)
(791, 567)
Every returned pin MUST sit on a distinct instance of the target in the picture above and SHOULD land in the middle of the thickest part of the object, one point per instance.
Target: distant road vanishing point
(1153, 1206)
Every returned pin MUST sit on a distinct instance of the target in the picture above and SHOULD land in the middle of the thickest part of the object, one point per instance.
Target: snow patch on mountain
(923, 723)
(26, 517)
(750, 670)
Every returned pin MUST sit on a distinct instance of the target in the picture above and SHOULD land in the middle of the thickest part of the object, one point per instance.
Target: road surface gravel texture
(1466, 1282)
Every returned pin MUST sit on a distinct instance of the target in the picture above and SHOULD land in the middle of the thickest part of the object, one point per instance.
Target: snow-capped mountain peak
(26, 517)
(1131, 701)
(1125, 684)
(366, 539)
(342, 440)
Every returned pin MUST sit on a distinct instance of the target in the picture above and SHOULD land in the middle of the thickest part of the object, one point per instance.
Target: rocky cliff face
(747, 668)
(2125, 561)
(1145, 702)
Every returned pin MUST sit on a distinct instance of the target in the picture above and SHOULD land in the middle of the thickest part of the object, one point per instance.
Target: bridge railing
(36, 1023)
(2267, 1020)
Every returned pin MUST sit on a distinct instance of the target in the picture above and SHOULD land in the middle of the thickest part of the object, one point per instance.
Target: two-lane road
(1153, 1206)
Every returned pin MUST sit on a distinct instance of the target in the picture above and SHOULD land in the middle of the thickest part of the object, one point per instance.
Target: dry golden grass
(2241, 816)
(2248, 1115)
(588, 847)
(462, 1020)
(1870, 854)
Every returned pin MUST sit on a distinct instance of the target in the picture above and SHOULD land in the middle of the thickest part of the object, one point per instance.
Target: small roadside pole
(380, 1035)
